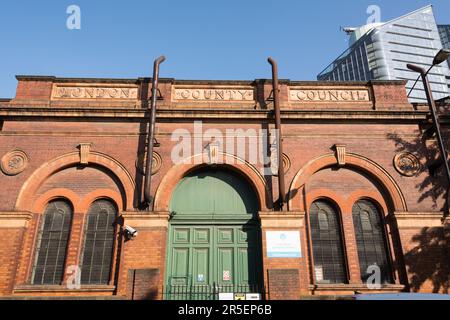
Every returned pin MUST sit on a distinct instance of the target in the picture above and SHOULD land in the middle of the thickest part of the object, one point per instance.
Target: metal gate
(209, 292)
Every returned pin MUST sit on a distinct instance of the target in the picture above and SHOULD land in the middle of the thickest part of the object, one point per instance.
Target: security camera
(130, 233)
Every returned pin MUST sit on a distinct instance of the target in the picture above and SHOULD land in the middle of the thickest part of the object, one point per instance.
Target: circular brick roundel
(407, 164)
(14, 162)
(156, 164)
(286, 162)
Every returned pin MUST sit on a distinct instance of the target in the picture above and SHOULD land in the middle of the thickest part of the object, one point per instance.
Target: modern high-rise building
(381, 51)
(444, 33)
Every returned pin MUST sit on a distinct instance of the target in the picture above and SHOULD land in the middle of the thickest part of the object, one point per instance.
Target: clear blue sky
(214, 39)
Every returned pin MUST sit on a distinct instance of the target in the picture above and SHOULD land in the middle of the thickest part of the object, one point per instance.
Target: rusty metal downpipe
(151, 134)
(276, 98)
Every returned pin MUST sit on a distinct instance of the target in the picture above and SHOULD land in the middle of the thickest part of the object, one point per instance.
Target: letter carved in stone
(94, 92)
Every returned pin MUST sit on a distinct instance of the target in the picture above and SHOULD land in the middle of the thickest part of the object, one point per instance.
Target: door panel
(225, 236)
(182, 236)
(202, 235)
(180, 267)
(243, 265)
(201, 266)
(212, 259)
(225, 268)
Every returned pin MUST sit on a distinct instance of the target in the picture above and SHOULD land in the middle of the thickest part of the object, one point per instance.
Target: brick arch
(296, 191)
(374, 197)
(41, 203)
(231, 162)
(100, 194)
(328, 195)
(27, 194)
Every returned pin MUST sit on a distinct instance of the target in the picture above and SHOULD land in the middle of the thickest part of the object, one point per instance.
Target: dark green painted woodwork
(213, 192)
(223, 258)
(214, 238)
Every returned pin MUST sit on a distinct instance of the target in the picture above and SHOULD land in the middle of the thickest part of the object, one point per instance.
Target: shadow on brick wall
(433, 186)
(428, 262)
(143, 284)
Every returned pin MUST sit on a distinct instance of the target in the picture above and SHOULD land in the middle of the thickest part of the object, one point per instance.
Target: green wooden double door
(214, 242)
(207, 260)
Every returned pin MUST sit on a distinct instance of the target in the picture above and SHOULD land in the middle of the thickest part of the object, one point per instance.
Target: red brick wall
(147, 251)
(34, 90)
(143, 284)
(302, 144)
(304, 141)
(283, 284)
(426, 258)
(81, 180)
(273, 266)
(10, 246)
(26, 253)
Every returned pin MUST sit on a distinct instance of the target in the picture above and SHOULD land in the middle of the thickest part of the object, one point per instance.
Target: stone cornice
(24, 289)
(447, 222)
(15, 219)
(282, 219)
(166, 113)
(142, 220)
(419, 219)
(78, 80)
(214, 82)
(147, 215)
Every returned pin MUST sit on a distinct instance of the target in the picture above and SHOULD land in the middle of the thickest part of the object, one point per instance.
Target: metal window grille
(52, 244)
(326, 236)
(371, 240)
(98, 243)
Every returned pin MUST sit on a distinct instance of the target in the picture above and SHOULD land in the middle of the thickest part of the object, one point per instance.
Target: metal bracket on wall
(271, 96)
(159, 96)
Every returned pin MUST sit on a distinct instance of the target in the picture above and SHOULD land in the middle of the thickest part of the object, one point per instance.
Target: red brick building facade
(346, 146)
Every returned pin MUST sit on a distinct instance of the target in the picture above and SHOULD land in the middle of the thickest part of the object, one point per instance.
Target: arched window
(371, 241)
(328, 252)
(52, 243)
(98, 243)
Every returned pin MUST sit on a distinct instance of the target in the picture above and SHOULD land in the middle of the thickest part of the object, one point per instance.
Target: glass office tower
(444, 33)
(381, 52)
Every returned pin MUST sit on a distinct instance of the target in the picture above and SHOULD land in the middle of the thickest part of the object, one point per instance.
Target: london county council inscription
(95, 92)
(328, 95)
(213, 94)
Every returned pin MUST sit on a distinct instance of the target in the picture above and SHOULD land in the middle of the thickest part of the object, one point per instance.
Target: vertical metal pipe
(281, 185)
(151, 134)
(436, 125)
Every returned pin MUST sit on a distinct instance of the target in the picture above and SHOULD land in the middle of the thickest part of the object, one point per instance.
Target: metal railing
(208, 292)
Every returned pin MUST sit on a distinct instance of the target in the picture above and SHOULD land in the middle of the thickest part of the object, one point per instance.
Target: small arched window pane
(371, 241)
(329, 262)
(52, 244)
(323, 220)
(98, 243)
(366, 224)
